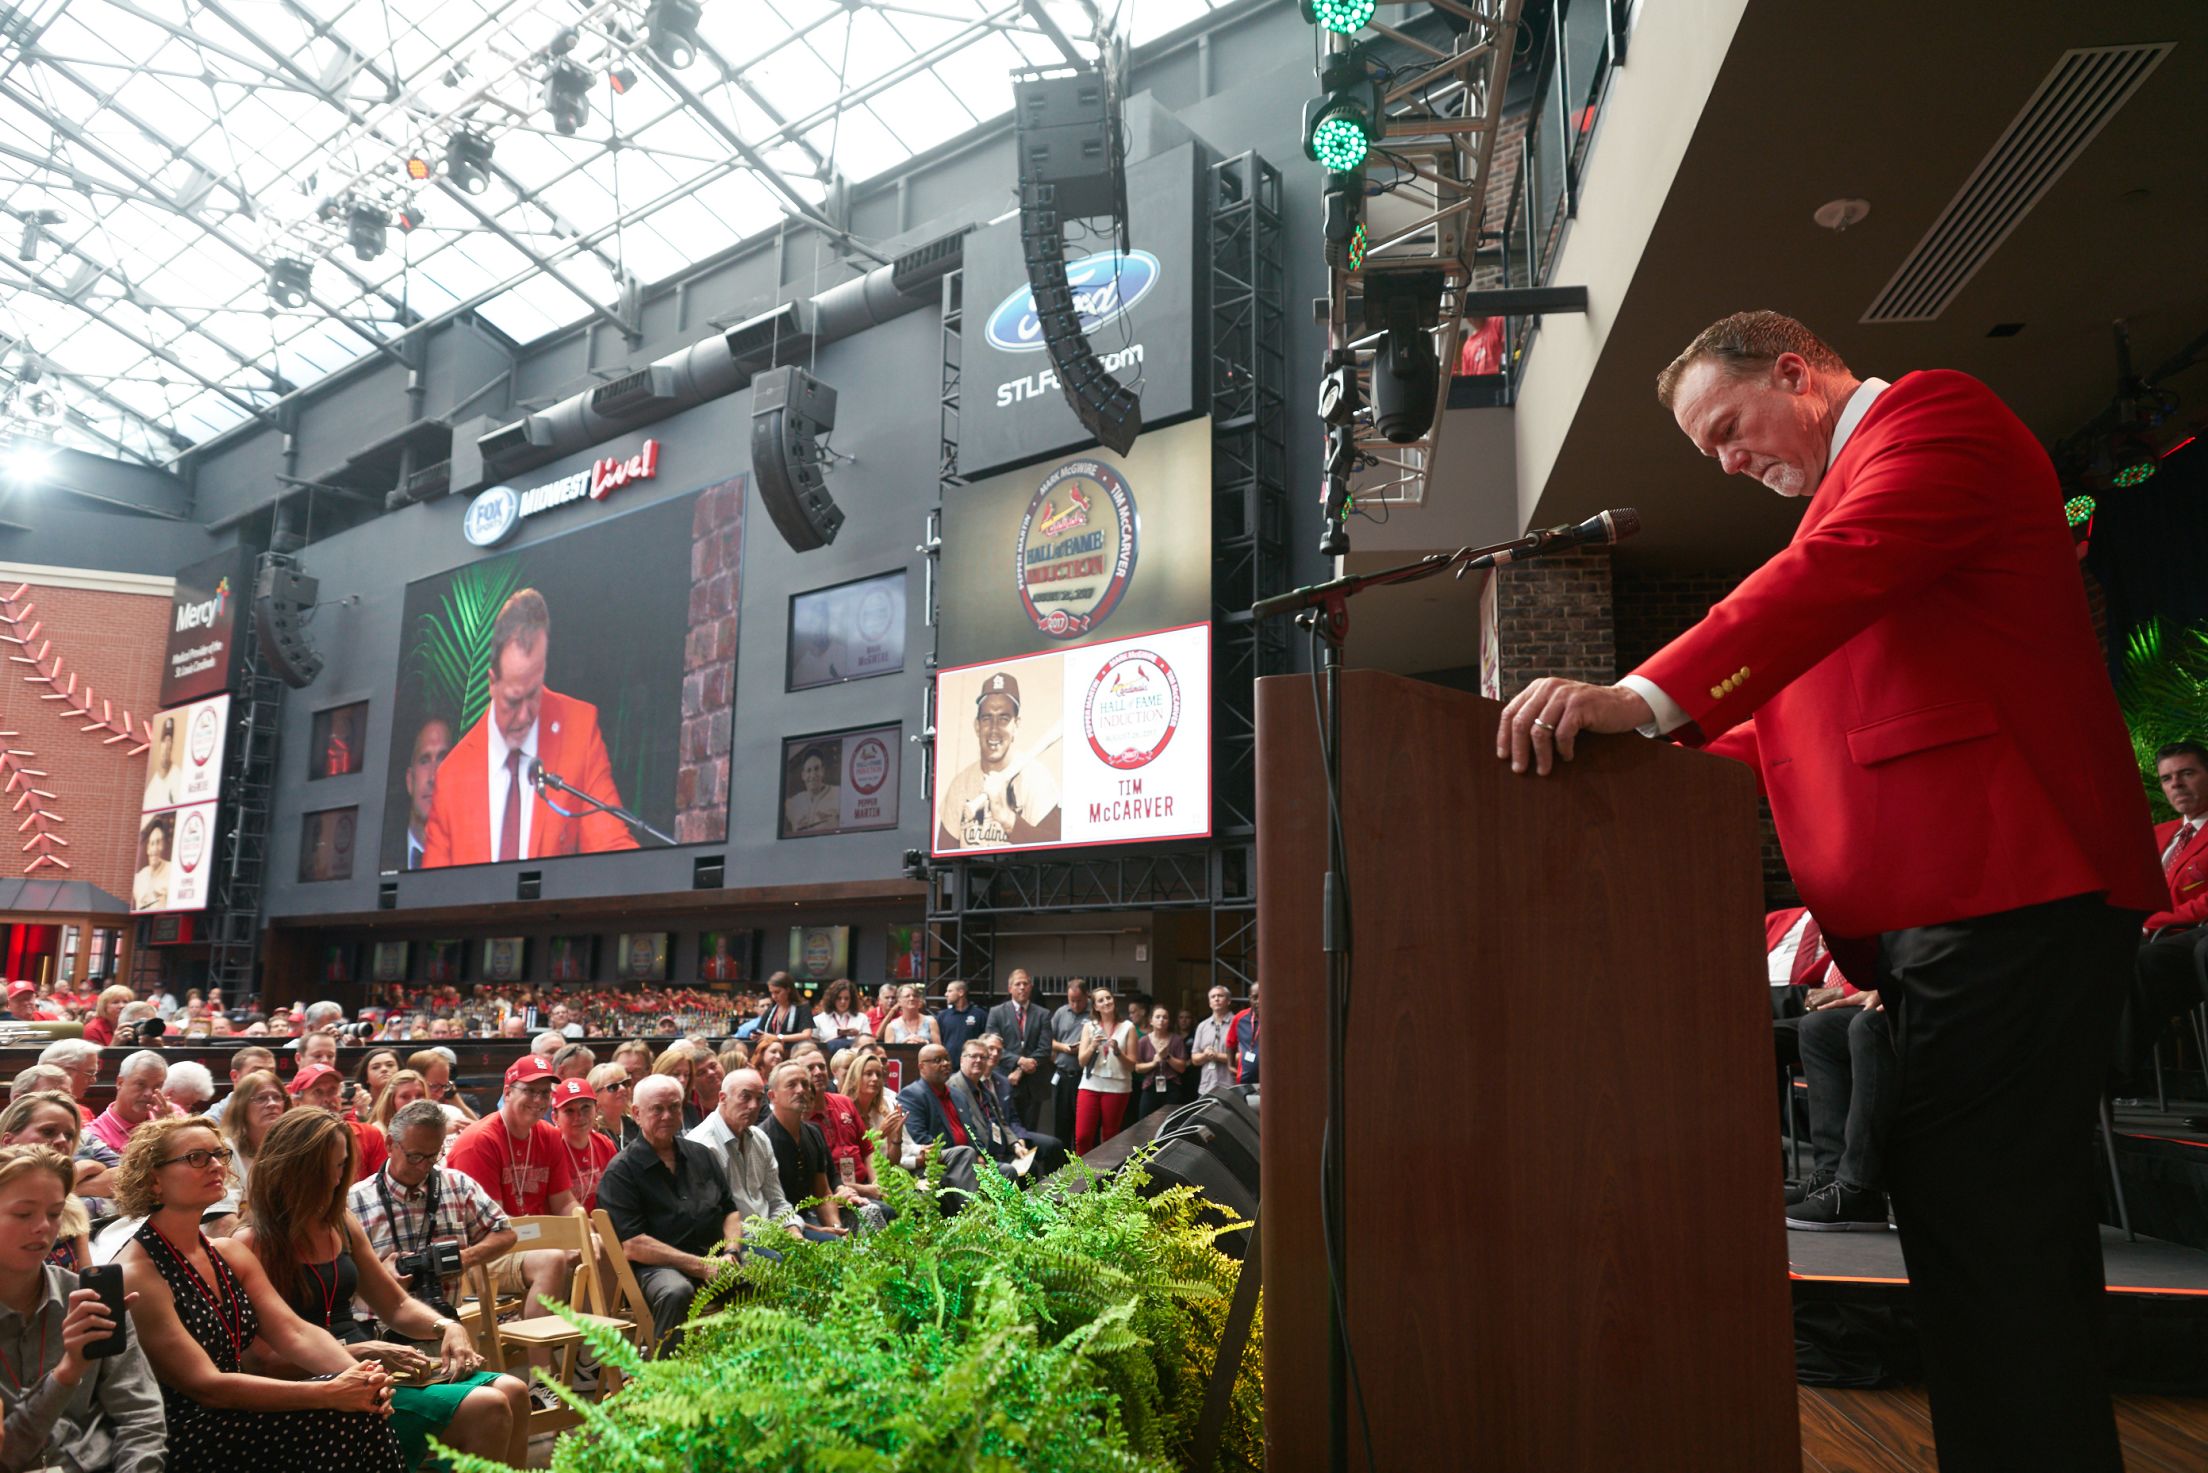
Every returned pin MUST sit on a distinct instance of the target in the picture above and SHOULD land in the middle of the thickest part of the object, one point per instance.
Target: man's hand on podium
(1542, 720)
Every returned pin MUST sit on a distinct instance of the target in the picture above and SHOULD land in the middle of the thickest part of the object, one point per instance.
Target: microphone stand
(1323, 608)
(547, 780)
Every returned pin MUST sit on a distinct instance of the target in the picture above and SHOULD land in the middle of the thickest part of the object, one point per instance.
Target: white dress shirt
(752, 1177)
(1670, 716)
(497, 748)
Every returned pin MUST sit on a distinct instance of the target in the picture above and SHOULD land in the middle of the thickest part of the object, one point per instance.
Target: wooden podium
(1566, 1247)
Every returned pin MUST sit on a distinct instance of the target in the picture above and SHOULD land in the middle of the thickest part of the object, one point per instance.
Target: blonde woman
(911, 1023)
(679, 1060)
(259, 1101)
(861, 1076)
(49, 1118)
(610, 1083)
(402, 1088)
(100, 1027)
(202, 1306)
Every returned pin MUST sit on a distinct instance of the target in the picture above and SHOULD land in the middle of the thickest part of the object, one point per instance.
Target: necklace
(220, 1299)
(327, 1291)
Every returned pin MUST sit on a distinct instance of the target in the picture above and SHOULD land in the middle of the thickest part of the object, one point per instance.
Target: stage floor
(1891, 1432)
(2148, 1266)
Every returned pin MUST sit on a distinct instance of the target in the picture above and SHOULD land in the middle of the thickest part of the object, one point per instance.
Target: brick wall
(1553, 617)
(709, 664)
(113, 642)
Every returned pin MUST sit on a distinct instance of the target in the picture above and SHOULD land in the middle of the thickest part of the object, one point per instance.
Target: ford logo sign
(1105, 286)
(492, 516)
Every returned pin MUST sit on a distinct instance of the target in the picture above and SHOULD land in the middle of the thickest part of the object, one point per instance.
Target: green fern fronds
(452, 643)
(2164, 695)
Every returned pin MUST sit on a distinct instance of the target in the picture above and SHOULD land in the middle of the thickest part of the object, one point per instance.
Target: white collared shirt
(498, 747)
(1670, 716)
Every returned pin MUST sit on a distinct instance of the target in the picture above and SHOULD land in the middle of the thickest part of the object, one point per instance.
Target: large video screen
(542, 689)
(1107, 743)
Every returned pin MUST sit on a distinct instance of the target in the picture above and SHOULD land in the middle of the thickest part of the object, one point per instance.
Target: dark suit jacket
(1034, 1043)
(970, 1110)
(924, 1119)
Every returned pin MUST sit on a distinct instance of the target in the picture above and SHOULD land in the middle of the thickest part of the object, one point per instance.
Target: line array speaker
(790, 409)
(283, 597)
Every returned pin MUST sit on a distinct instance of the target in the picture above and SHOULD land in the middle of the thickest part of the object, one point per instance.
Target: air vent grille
(2070, 107)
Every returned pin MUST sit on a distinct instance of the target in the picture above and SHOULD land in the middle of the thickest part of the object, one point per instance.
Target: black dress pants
(2170, 978)
(1848, 1058)
(2002, 1026)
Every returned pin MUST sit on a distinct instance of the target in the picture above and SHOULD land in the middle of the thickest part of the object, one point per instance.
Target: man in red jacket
(1915, 679)
(2173, 956)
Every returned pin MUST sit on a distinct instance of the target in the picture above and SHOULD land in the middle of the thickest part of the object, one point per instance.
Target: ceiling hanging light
(1342, 17)
(567, 96)
(2078, 510)
(672, 26)
(1341, 125)
(468, 160)
(366, 228)
(290, 279)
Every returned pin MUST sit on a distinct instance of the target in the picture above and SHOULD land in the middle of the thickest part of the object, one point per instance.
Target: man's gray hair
(1745, 344)
(417, 1115)
(569, 1053)
(547, 1043)
(69, 1053)
(145, 1061)
(190, 1079)
(652, 1086)
(321, 1013)
(37, 1077)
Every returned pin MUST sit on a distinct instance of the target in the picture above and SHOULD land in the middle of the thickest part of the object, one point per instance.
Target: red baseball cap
(568, 1091)
(20, 986)
(528, 1069)
(309, 1077)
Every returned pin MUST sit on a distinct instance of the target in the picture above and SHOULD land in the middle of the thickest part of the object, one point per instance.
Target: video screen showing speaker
(337, 741)
(540, 707)
(1107, 743)
(641, 956)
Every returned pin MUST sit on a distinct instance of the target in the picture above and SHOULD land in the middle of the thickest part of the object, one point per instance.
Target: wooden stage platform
(1891, 1432)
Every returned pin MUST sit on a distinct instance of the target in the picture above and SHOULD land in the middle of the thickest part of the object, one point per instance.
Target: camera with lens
(426, 1269)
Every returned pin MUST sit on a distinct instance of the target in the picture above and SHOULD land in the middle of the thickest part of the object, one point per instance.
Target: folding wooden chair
(623, 1296)
(548, 1332)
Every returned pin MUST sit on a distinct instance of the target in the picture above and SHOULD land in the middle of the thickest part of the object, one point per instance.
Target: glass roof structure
(159, 158)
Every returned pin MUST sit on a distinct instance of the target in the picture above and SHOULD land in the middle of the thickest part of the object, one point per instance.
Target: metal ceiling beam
(793, 203)
(83, 474)
(69, 129)
(355, 119)
(824, 170)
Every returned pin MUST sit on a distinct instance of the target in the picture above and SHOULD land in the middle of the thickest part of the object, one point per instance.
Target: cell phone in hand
(106, 1280)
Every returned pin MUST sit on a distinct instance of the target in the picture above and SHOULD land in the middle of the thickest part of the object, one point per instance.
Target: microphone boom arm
(546, 782)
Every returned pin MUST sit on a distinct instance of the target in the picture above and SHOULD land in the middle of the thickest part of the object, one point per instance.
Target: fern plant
(1050, 1329)
(452, 642)
(2164, 695)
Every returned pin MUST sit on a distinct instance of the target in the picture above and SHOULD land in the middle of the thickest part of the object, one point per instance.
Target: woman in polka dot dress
(200, 1307)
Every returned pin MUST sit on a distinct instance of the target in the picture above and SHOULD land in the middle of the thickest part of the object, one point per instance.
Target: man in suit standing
(1024, 1026)
(2173, 956)
(1916, 680)
(485, 810)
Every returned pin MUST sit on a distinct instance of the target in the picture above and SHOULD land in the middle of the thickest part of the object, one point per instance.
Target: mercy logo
(203, 614)
(1105, 286)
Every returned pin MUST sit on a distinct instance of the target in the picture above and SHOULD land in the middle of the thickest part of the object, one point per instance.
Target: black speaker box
(789, 407)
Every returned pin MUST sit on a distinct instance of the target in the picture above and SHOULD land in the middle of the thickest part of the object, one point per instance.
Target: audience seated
(203, 1308)
(248, 1060)
(138, 1082)
(49, 1118)
(1050, 1152)
(973, 1091)
(523, 1164)
(669, 1200)
(415, 1204)
(732, 1133)
(801, 1150)
(80, 1060)
(575, 1116)
(59, 1408)
(317, 1255)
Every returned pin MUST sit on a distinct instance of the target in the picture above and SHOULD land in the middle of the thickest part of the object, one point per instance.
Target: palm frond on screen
(2164, 694)
(452, 642)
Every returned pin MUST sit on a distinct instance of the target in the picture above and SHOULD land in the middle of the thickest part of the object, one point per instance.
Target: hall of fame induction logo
(1076, 549)
(1132, 709)
(869, 765)
(191, 841)
(201, 745)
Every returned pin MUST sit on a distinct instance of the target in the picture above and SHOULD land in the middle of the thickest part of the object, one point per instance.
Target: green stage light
(2138, 473)
(1343, 17)
(1358, 241)
(2078, 510)
(1339, 142)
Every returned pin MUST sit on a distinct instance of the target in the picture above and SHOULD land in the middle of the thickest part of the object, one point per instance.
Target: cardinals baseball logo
(1132, 710)
(1076, 548)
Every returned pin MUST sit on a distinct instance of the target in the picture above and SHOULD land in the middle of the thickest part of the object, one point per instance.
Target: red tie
(1023, 1022)
(509, 827)
(1809, 953)
(2177, 845)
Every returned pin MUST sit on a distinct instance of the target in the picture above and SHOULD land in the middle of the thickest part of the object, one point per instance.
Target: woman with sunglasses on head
(204, 1307)
(316, 1253)
(62, 1408)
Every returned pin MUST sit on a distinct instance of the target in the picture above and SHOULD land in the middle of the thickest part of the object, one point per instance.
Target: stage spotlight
(1344, 121)
(468, 161)
(407, 216)
(290, 279)
(567, 95)
(1343, 204)
(1342, 17)
(790, 409)
(673, 31)
(2131, 464)
(366, 228)
(1406, 376)
(25, 461)
(621, 79)
(2078, 510)
(417, 168)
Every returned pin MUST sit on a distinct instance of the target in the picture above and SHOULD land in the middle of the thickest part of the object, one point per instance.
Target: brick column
(709, 664)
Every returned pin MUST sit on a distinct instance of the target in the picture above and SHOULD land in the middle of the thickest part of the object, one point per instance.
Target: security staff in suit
(1024, 1025)
(2172, 971)
(1916, 681)
(485, 810)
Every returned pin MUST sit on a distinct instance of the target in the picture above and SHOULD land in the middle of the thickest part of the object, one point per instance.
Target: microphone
(1605, 526)
(542, 778)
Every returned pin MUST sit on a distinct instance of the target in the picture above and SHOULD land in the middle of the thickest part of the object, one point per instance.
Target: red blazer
(1932, 717)
(459, 827)
(1813, 961)
(2187, 877)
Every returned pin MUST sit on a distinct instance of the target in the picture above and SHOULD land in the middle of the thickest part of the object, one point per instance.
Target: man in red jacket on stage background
(1916, 681)
(2173, 951)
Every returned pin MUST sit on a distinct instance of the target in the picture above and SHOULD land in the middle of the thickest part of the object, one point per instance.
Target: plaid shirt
(464, 1210)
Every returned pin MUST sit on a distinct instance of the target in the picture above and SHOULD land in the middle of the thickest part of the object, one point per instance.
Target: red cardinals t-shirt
(522, 1177)
(588, 1163)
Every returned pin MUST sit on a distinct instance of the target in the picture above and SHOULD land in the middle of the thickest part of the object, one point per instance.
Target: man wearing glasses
(413, 1202)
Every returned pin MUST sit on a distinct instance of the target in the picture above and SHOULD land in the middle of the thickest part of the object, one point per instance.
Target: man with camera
(427, 1222)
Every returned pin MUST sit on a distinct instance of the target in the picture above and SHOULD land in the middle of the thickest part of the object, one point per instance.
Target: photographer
(67, 1404)
(427, 1222)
